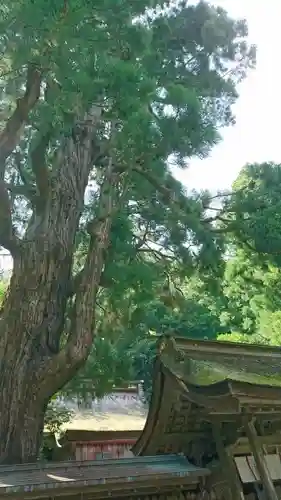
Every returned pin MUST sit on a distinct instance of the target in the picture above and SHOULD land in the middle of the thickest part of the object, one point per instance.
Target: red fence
(95, 450)
(94, 445)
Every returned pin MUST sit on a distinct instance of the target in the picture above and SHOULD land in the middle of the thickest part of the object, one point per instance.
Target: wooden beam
(242, 445)
(228, 465)
(256, 448)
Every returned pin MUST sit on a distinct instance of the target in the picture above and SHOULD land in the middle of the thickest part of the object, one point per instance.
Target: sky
(256, 136)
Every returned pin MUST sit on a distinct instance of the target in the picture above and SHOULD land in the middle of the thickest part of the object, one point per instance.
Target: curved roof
(197, 381)
(206, 362)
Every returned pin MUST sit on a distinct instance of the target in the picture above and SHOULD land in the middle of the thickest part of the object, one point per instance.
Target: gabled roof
(195, 381)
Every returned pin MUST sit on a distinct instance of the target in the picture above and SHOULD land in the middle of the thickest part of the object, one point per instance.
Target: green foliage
(124, 349)
(161, 79)
(244, 338)
(249, 288)
(109, 364)
(149, 293)
(56, 416)
(143, 355)
(243, 289)
(165, 76)
(3, 288)
(255, 209)
(252, 278)
(270, 326)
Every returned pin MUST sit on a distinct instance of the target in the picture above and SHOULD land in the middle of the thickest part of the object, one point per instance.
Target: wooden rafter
(259, 457)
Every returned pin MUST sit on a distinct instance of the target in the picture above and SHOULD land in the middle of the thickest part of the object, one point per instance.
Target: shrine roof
(197, 382)
(204, 363)
(57, 479)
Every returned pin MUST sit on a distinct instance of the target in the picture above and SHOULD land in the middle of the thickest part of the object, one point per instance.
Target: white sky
(256, 135)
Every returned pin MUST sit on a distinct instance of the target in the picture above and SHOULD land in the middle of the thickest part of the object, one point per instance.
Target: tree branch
(157, 254)
(167, 194)
(8, 238)
(20, 169)
(10, 135)
(38, 152)
(142, 239)
(216, 218)
(76, 349)
(76, 280)
(170, 197)
(20, 189)
(81, 338)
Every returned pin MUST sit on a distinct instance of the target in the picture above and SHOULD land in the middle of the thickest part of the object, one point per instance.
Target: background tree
(252, 280)
(97, 97)
(254, 209)
(243, 291)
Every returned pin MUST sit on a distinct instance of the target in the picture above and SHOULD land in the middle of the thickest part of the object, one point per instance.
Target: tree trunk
(21, 417)
(28, 347)
(34, 362)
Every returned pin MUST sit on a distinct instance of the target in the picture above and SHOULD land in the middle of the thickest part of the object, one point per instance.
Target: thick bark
(7, 234)
(22, 410)
(33, 364)
(31, 325)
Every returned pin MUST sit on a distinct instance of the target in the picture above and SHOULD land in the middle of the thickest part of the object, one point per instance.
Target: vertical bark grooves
(63, 366)
(22, 405)
(32, 366)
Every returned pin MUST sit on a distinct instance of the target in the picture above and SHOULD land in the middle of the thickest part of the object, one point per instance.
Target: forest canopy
(242, 303)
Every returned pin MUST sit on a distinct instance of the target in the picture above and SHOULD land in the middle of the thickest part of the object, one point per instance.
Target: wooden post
(228, 465)
(256, 448)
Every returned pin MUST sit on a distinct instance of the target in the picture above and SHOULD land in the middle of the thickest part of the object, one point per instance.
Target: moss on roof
(205, 363)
